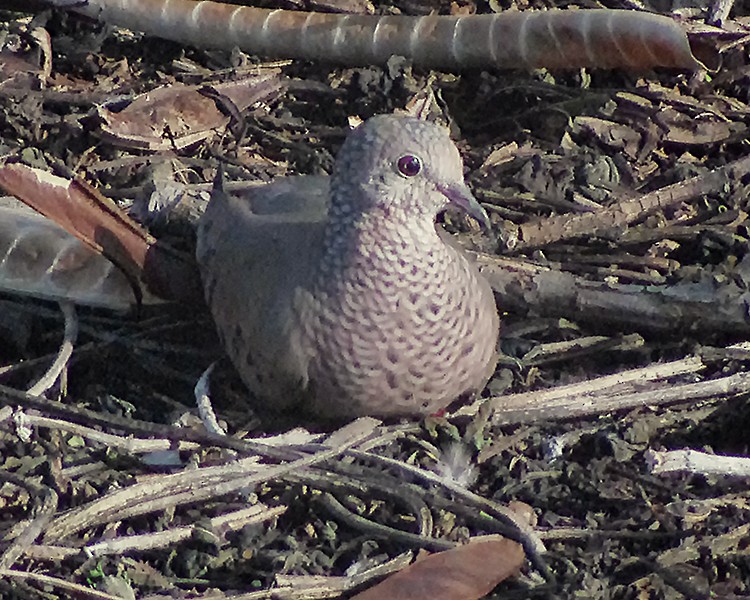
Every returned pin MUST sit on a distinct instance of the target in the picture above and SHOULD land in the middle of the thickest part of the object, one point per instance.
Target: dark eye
(409, 165)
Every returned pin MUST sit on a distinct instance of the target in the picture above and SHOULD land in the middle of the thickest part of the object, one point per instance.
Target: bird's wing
(255, 254)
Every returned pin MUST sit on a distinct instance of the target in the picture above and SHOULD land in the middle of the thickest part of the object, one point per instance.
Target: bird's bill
(460, 197)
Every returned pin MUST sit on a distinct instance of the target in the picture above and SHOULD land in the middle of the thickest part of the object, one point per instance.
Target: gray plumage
(340, 295)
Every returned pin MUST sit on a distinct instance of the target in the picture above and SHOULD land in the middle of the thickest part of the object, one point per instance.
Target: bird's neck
(391, 243)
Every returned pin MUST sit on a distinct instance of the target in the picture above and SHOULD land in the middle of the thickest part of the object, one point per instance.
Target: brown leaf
(178, 116)
(99, 223)
(463, 573)
(681, 128)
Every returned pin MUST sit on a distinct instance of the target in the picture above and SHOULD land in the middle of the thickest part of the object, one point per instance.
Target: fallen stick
(648, 386)
(615, 218)
(698, 307)
(697, 463)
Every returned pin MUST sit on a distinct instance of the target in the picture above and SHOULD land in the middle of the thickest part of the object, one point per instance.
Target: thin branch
(150, 541)
(72, 590)
(64, 353)
(697, 463)
(178, 488)
(36, 526)
(576, 405)
(128, 444)
(551, 403)
(606, 222)
(384, 531)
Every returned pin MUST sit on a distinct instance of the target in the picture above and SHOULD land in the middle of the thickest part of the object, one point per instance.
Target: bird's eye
(409, 165)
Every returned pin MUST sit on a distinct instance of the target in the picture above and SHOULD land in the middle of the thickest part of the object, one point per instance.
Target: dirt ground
(537, 146)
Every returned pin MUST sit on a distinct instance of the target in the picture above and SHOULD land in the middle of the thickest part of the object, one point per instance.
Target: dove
(341, 296)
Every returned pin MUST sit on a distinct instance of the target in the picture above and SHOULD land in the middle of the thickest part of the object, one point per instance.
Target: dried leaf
(463, 573)
(178, 116)
(99, 223)
(40, 259)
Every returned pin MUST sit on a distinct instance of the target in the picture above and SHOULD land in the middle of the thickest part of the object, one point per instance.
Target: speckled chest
(394, 328)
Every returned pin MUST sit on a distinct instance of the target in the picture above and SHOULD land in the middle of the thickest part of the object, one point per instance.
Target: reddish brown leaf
(99, 223)
(467, 572)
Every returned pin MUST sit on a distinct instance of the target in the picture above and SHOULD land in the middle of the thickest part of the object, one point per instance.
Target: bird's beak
(461, 197)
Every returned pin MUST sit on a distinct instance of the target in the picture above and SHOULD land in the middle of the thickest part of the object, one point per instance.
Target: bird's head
(401, 166)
